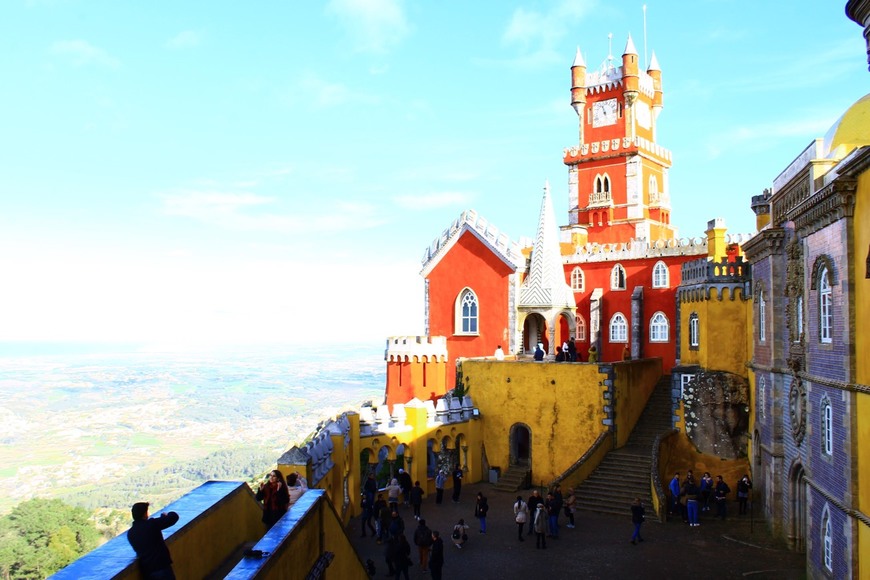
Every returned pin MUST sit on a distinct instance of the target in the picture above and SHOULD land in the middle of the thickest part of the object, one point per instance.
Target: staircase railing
(583, 467)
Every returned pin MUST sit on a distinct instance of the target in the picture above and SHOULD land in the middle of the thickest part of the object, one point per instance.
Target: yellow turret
(716, 246)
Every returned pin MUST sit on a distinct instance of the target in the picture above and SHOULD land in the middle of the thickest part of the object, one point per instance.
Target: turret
(630, 70)
(655, 74)
(761, 207)
(578, 88)
(716, 248)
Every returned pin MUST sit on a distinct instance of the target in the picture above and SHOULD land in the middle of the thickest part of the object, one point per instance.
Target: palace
(744, 350)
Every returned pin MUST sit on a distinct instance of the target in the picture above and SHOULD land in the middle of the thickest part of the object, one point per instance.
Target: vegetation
(41, 536)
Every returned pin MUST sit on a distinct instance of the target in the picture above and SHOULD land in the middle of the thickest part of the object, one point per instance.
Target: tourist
(593, 354)
(397, 525)
(692, 492)
(637, 518)
(674, 487)
(706, 491)
(572, 351)
(405, 483)
(296, 486)
(561, 354)
(540, 524)
(440, 480)
(401, 557)
(553, 508)
(457, 483)
(521, 515)
(423, 541)
(460, 533)
(436, 556)
(743, 488)
(146, 538)
(393, 490)
(416, 499)
(499, 353)
(480, 508)
(370, 488)
(720, 492)
(534, 501)
(539, 352)
(366, 517)
(275, 497)
(381, 513)
(570, 503)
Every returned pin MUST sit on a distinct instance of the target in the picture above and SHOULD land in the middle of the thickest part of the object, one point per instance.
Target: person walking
(720, 492)
(393, 491)
(402, 557)
(405, 484)
(423, 541)
(706, 491)
(480, 508)
(692, 493)
(744, 486)
(540, 524)
(381, 515)
(366, 517)
(370, 488)
(570, 502)
(440, 480)
(416, 499)
(674, 487)
(521, 515)
(460, 533)
(638, 515)
(146, 539)
(275, 497)
(534, 501)
(457, 483)
(436, 556)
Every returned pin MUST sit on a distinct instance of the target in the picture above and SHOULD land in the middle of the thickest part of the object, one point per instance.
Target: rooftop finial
(609, 50)
(645, 61)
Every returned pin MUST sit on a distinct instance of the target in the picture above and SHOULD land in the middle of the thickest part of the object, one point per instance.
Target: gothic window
(827, 547)
(617, 278)
(659, 328)
(825, 302)
(694, 331)
(653, 189)
(762, 317)
(762, 395)
(827, 428)
(660, 275)
(602, 184)
(577, 279)
(579, 328)
(799, 319)
(618, 328)
(466, 312)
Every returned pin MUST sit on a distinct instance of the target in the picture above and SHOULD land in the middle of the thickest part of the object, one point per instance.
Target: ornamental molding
(834, 202)
(764, 244)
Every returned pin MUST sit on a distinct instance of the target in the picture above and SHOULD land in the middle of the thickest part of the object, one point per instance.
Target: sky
(216, 172)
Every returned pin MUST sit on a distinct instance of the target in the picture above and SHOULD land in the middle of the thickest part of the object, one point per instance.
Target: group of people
(690, 497)
(565, 353)
(542, 514)
(278, 495)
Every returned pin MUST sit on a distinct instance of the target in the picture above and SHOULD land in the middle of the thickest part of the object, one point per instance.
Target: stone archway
(535, 331)
(798, 492)
(520, 445)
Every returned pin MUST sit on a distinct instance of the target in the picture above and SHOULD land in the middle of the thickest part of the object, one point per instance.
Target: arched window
(577, 279)
(799, 319)
(602, 184)
(466, 312)
(827, 427)
(827, 547)
(653, 189)
(762, 396)
(659, 328)
(825, 306)
(694, 331)
(660, 276)
(579, 328)
(762, 317)
(618, 328)
(617, 278)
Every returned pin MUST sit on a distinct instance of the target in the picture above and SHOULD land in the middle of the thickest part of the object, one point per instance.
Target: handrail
(599, 442)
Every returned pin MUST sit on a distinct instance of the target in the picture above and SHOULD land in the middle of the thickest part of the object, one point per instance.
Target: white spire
(629, 47)
(578, 59)
(654, 62)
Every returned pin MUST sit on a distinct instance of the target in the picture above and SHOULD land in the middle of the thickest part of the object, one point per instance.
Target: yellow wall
(634, 383)
(560, 403)
(862, 363)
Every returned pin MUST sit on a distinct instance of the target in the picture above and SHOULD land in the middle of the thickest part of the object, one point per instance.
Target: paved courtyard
(598, 547)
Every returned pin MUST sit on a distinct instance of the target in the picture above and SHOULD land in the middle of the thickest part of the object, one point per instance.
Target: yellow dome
(850, 131)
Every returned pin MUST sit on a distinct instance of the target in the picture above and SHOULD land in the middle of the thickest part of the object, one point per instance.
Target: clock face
(604, 113)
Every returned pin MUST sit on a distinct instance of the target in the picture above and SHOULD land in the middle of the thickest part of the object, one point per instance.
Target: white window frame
(578, 279)
(579, 328)
(467, 323)
(827, 427)
(827, 541)
(660, 275)
(617, 277)
(619, 328)
(694, 330)
(653, 187)
(684, 381)
(762, 395)
(762, 317)
(799, 318)
(825, 307)
(659, 328)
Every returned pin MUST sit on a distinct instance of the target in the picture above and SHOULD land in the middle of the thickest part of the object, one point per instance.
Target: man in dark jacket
(405, 483)
(436, 557)
(146, 537)
(423, 541)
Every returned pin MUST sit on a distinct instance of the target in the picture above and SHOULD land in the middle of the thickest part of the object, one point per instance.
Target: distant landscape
(102, 430)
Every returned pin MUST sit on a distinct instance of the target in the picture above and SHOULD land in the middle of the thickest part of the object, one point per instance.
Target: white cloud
(185, 39)
(375, 25)
(433, 200)
(766, 136)
(535, 34)
(82, 53)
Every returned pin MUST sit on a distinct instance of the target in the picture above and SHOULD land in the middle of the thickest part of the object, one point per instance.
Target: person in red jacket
(275, 497)
(146, 538)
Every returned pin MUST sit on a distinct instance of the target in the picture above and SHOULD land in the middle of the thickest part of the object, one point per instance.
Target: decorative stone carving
(797, 407)
(717, 413)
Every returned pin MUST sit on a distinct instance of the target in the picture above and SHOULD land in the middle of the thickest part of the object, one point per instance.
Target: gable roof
(469, 221)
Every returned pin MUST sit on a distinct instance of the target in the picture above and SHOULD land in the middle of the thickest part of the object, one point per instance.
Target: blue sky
(187, 173)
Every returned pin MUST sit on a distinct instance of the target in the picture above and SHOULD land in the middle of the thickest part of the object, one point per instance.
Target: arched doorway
(520, 445)
(798, 493)
(535, 331)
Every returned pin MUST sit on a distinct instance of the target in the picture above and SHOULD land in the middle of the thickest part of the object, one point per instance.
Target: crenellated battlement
(575, 153)
(709, 272)
(639, 249)
(406, 348)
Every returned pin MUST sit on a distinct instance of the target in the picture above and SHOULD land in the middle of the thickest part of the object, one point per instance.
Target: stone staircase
(513, 479)
(624, 473)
